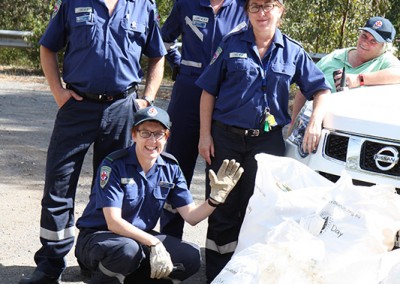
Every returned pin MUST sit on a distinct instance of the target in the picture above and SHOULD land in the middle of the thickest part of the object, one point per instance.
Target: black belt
(244, 132)
(104, 97)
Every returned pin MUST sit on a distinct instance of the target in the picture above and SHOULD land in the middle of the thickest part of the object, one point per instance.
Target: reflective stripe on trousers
(227, 248)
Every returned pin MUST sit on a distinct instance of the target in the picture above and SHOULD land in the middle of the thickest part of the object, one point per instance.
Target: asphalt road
(27, 112)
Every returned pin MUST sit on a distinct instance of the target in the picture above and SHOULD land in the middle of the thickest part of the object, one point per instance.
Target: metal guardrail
(10, 38)
(15, 38)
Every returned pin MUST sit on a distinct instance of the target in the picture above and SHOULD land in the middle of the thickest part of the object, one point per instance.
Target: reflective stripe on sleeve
(191, 63)
(171, 45)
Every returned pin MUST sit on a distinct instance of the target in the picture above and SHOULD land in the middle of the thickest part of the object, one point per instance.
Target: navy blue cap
(152, 113)
(381, 29)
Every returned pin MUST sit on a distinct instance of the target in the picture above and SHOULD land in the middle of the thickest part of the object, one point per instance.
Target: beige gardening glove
(225, 180)
(160, 261)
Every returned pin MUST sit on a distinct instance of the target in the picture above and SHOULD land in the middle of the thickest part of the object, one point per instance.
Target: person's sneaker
(38, 277)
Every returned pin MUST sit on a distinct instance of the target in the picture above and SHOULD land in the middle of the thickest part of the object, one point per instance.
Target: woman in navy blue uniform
(200, 26)
(243, 108)
(103, 43)
(117, 241)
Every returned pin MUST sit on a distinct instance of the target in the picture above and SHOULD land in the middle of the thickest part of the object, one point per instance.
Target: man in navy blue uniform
(201, 24)
(103, 43)
(117, 242)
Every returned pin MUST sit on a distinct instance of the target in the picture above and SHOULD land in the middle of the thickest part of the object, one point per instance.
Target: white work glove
(221, 184)
(160, 261)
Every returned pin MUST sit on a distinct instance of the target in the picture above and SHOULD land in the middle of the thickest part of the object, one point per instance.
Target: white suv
(361, 134)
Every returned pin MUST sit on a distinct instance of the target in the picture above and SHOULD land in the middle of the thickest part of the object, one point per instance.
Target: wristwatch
(149, 101)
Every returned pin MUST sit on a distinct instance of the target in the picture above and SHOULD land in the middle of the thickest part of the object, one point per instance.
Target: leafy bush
(22, 15)
(320, 25)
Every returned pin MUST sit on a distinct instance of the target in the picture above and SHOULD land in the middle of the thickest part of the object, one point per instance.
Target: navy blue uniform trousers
(184, 111)
(78, 125)
(225, 222)
(113, 258)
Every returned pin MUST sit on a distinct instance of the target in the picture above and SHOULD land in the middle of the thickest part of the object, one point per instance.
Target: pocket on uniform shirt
(241, 70)
(132, 194)
(160, 193)
(237, 65)
(283, 73)
(82, 34)
(134, 31)
(285, 69)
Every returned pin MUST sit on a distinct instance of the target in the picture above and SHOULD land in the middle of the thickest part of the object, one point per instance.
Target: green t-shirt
(339, 58)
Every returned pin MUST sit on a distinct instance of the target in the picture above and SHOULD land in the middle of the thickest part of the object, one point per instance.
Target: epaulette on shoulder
(293, 40)
(169, 156)
(117, 155)
(236, 30)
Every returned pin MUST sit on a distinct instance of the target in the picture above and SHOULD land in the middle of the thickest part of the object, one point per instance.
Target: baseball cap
(380, 28)
(152, 113)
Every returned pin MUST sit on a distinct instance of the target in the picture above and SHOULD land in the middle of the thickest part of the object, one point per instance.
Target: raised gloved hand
(221, 184)
(160, 261)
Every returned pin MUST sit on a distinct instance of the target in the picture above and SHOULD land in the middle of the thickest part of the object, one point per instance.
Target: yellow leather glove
(160, 261)
(225, 180)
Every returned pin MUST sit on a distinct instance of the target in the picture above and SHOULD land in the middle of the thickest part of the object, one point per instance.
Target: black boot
(38, 277)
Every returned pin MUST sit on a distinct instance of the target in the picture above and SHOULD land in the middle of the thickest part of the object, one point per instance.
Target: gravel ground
(27, 112)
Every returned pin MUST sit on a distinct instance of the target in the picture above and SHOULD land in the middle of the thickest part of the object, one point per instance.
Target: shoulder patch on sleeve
(216, 54)
(170, 156)
(117, 155)
(56, 8)
(104, 175)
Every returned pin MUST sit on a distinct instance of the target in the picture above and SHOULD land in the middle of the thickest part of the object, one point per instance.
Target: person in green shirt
(371, 62)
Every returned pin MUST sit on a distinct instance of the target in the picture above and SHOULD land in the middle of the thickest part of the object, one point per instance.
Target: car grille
(336, 147)
(367, 161)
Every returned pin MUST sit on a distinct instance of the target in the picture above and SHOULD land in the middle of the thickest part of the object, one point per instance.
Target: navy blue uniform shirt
(122, 183)
(103, 52)
(244, 85)
(201, 31)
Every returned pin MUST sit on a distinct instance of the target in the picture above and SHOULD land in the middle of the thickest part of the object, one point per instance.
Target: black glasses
(254, 8)
(147, 134)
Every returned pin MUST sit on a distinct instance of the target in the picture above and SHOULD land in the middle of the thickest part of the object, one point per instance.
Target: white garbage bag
(277, 197)
(357, 225)
(290, 255)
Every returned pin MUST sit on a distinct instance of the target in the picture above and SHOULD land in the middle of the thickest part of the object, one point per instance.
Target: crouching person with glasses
(117, 242)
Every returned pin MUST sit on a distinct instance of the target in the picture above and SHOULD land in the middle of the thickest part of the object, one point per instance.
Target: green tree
(324, 25)
(24, 15)
(320, 25)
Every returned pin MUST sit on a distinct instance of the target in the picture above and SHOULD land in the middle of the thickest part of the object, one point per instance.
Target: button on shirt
(201, 31)
(103, 52)
(239, 79)
(123, 184)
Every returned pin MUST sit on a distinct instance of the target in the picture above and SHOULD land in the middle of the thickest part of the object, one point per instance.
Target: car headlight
(299, 127)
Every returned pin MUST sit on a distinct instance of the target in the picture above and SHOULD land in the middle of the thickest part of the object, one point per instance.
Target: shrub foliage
(320, 25)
